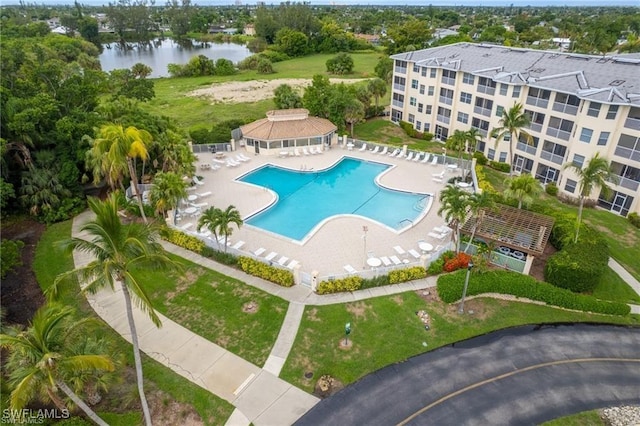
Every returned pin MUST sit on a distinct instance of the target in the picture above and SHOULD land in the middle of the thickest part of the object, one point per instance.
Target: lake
(161, 53)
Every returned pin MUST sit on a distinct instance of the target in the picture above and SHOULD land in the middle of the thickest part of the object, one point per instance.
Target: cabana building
(284, 130)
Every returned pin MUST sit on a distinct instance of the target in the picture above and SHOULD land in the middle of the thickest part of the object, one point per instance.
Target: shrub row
(450, 288)
(183, 240)
(336, 286)
(264, 271)
(501, 167)
(481, 159)
(411, 132)
(551, 188)
(634, 218)
(408, 274)
(483, 183)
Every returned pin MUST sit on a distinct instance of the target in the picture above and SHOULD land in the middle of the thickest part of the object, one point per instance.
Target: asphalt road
(525, 375)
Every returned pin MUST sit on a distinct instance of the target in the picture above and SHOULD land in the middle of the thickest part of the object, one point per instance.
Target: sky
(536, 3)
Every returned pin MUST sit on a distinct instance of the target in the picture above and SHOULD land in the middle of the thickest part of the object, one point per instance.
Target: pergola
(517, 229)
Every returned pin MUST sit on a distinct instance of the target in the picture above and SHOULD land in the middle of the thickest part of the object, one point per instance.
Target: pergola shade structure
(518, 229)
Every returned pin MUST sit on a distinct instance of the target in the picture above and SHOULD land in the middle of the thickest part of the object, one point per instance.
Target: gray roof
(607, 79)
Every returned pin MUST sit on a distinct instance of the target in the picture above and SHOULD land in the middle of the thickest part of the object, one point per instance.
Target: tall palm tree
(454, 206)
(40, 364)
(378, 88)
(511, 124)
(353, 112)
(210, 219)
(174, 154)
(121, 253)
(457, 142)
(473, 137)
(594, 174)
(228, 217)
(523, 188)
(479, 203)
(112, 154)
(167, 191)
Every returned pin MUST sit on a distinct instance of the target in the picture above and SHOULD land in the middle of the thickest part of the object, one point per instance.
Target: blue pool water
(307, 198)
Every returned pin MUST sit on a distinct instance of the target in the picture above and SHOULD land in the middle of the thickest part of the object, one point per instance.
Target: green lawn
(189, 113)
(49, 262)
(384, 131)
(386, 330)
(210, 304)
(588, 418)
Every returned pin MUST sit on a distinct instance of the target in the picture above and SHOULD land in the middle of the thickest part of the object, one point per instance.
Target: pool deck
(340, 240)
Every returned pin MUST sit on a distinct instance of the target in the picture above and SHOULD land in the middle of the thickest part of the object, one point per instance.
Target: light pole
(365, 228)
(464, 291)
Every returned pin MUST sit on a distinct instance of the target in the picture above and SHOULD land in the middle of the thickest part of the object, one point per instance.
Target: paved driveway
(524, 375)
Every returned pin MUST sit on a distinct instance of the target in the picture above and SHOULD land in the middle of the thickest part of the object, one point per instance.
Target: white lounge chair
(426, 158)
(385, 261)
(350, 269)
(417, 157)
(400, 250)
(384, 150)
(438, 175)
(305, 151)
(271, 256)
(215, 160)
(395, 260)
(414, 253)
(244, 157)
(409, 156)
(197, 181)
(283, 260)
(293, 264)
(238, 245)
(313, 151)
(239, 159)
(394, 153)
(186, 226)
(296, 152)
(375, 149)
(444, 229)
(436, 235)
(363, 147)
(259, 251)
(203, 194)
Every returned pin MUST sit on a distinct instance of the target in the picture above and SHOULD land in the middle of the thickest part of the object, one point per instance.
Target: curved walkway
(526, 375)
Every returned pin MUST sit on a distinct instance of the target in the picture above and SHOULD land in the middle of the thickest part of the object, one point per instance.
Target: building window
(463, 118)
(536, 120)
(427, 126)
(553, 152)
(401, 67)
(483, 106)
(441, 133)
(560, 128)
(422, 89)
(613, 111)
(516, 92)
(412, 118)
(567, 104)
(585, 135)
(570, 186)
(414, 84)
(416, 68)
(448, 77)
(578, 160)
(499, 111)
(504, 89)
(418, 125)
(430, 91)
(465, 97)
(538, 97)
(491, 154)
(420, 107)
(486, 85)
(628, 147)
(546, 174)
(503, 157)
(481, 125)
(444, 115)
(413, 101)
(428, 109)
(396, 115)
(399, 83)
(398, 100)
(468, 78)
(604, 138)
(446, 96)
(423, 71)
(433, 73)
(594, 109)
(618, 202)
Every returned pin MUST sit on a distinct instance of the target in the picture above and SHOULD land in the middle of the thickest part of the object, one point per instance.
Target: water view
(161, 53)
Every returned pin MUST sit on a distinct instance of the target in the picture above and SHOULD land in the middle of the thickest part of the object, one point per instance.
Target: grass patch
(612, 287)
(48, 263)
(587, 418)
(384, 131)
(211, 305)
(386, 330)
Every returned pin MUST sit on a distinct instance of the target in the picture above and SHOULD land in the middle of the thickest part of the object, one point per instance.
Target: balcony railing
(487, 89)
(445, 100)
(632, 123)
(558, 133)
(400, 70)
(539, 102)
(529, 149)
(482, 131)
(535, 127)
(565, 108)
(448, 80)
(484, 111)
(399, 87)
(627, 153)
(549, 156)
(628, 183)
(443, 118)
(397, 103)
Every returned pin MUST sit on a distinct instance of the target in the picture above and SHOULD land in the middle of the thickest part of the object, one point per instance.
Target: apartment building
(578, 105)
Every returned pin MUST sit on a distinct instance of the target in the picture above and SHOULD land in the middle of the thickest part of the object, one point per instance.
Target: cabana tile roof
(287, 124)
(518, 229)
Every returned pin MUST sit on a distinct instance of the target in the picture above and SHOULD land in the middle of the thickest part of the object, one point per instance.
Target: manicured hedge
(409, 274)
(450, 288)
(264, 271)
(183, 240)
(501, 167)
(336, 286)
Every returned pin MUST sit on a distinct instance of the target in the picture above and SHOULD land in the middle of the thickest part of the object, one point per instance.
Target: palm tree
(511, 124)
(174, 154)
(378, 88)
(473, 137)
(210, 219)
(113, 152)
(457, 142)
(454, 205)
(39, 361)
(122, 252)
(353, 112)
(479, 203)
(219, 221)
(167, 191)
(595, 174)
(523, 188)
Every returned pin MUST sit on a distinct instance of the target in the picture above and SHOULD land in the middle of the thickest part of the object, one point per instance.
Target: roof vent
(538, 70)
(616, 82)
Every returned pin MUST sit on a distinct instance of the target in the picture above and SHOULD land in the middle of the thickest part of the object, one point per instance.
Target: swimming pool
(306, 198)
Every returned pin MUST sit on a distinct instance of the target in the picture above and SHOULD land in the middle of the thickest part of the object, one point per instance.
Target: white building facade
(578, 105)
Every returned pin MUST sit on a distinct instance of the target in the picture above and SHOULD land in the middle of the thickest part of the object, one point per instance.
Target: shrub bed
(264, 271)
(501, 167)
(450, 288)
(336, 286)
(453, 262)
(634, 218)
(379, 281)
(183, 240)
(408, 274)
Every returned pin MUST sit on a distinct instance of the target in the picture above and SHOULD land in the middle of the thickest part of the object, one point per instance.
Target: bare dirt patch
(358, 309)
(255, 90)
(165, 411)
(312, 314)
(250, 307)
(398, 299)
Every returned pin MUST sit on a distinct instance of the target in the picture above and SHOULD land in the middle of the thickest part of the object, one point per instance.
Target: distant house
(371, 38)
(286, 130)
(562, 43)
(250, 30)
(439, 33)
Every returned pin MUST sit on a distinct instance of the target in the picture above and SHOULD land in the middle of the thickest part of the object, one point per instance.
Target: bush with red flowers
(459, 261)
